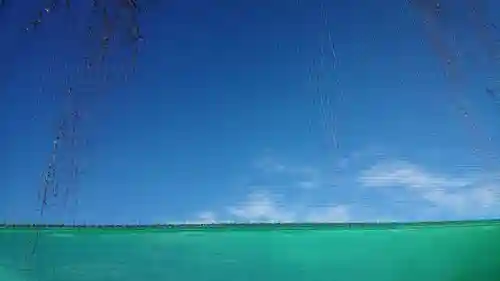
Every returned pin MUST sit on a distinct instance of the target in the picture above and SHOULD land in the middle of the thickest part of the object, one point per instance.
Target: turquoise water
(441, 251)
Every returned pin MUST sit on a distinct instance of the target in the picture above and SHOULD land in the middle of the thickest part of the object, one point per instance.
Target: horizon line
(237, 224)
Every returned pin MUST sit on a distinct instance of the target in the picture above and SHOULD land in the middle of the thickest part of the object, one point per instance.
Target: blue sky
(255, 111)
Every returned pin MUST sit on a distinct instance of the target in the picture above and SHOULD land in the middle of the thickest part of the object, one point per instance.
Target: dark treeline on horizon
(220, 225)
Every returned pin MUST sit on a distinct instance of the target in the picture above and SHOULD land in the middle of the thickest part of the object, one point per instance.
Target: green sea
(422, 251)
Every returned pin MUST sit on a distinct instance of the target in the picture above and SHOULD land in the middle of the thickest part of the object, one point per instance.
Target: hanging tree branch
(108, 21)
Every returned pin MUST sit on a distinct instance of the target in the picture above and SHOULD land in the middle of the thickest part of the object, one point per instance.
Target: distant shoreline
(235, 226)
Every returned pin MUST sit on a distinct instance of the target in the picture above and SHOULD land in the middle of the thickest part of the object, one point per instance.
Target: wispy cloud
(207, 217)
(262, 206)
(431, 195)
(461, 195)
(405, 174)
(270, 165)
(361, 156)
(302, 176)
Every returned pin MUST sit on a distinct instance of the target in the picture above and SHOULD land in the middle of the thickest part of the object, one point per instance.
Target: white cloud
(260, 207)
(301, 176)
(207, 217)
(431, 195)
(459, 195)
(263, 207)
(463, 201)
(269, 165)
(400, 173)
(358, 157)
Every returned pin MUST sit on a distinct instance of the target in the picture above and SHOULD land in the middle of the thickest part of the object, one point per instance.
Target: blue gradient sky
(231, 114)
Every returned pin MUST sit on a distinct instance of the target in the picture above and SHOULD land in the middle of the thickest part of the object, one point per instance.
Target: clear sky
(286, 110)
